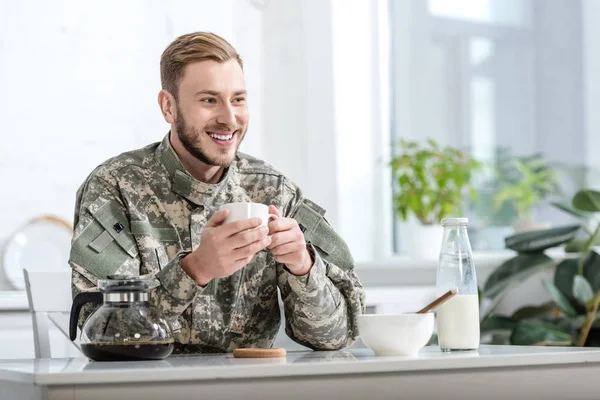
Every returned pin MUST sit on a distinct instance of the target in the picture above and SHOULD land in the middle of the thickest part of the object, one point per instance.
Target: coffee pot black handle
(79, 301)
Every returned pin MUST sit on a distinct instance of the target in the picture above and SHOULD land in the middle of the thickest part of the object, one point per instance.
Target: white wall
(79, 83)
(83, 82)
(325, 111)
(298, 97)
(591, 35)
(360, 54)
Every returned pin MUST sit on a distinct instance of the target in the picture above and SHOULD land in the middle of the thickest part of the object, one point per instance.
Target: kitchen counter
(492, 372)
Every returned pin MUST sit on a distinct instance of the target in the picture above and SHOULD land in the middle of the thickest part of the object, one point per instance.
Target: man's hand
(224, 249)
(288, 244)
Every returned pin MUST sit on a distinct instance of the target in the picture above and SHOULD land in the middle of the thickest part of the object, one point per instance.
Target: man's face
(212, 114)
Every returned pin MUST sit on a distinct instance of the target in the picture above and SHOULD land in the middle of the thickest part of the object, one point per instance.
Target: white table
(495, 372)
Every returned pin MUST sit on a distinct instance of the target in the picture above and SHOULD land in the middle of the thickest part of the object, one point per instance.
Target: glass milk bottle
(458, 318)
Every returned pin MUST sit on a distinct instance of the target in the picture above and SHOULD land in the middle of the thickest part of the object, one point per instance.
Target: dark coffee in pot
(127, 351)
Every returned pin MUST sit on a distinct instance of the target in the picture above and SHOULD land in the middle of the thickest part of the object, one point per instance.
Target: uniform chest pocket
(158, 244)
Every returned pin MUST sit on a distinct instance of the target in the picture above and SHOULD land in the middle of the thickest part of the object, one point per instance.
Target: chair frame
(46, 310)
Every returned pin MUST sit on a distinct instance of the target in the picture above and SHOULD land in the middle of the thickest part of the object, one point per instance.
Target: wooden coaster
(259, 353)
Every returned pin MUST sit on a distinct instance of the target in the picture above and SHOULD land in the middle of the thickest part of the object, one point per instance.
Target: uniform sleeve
(321, 307)
(103, 245)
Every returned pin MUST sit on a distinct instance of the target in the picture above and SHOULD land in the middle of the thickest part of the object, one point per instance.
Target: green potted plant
(431, 183)
(492, 224)
(501, 172)
(535, 181)
(571, 317)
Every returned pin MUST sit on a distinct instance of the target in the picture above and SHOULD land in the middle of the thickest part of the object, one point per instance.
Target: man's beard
(190, 136)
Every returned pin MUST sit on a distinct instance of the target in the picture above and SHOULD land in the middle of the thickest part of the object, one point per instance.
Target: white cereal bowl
(396, 335)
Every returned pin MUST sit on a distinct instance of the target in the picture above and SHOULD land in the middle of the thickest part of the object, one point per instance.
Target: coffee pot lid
(127, 283)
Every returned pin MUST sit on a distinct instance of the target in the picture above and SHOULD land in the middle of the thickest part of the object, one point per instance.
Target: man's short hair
(189, 48)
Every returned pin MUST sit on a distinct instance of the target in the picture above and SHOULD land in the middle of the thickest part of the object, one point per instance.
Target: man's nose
(226, 115)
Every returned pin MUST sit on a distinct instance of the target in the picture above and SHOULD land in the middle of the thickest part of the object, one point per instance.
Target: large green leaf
(570, 325)
(564, 275)
(572, 210)
(559, 298)
(582, 290)
(579, 245)
(535, 332)
(533, 311)
(591, 270)
(576, 246)
(514, 271)
(587, 200)
(497, 323)
(537, 241)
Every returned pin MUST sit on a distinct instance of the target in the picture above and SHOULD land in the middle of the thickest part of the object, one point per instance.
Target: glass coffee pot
(125, 326)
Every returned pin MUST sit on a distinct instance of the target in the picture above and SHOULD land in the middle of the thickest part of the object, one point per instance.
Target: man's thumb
(274, 210)
(217, 218)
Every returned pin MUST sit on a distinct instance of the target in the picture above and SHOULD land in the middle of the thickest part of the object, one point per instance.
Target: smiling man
(153, 211)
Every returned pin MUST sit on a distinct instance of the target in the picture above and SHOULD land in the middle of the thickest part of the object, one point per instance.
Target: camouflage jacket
(138, 212)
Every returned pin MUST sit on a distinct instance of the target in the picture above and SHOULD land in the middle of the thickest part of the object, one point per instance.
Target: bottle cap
(455, 221)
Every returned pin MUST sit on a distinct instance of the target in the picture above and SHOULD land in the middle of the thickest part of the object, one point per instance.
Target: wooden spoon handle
(439, 301)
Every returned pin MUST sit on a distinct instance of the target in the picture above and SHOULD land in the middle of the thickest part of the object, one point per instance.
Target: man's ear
(166, 102)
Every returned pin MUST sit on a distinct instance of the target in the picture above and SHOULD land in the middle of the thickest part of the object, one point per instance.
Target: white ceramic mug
(238, 211)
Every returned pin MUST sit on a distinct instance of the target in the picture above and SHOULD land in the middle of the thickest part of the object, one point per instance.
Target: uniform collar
(185, 184)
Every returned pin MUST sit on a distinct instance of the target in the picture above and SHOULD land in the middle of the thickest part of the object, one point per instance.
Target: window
(503, 80)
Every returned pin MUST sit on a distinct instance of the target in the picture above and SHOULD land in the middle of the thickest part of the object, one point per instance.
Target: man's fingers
(217, 218)
(274, 210)
(241, 225)
(281, 224)
(251, 236)
(284, 237)
(287, 248)
(252, 248)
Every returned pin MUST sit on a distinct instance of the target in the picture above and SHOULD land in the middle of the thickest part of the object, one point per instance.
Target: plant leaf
(533, 311)
(535, 241)
(564, 276)
(587, 200)
(591, 270)
(497, 323)
(532, 332)
(572, 210)
(575, 246)
(559, 298)
(514, 271)
(582, 290)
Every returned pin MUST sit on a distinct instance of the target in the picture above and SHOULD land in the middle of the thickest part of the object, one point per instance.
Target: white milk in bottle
(458, 318)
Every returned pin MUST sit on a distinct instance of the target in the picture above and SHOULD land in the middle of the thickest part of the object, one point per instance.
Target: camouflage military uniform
(138, 213)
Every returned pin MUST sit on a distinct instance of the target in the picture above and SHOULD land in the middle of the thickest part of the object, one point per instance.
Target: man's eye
(209, 100)
(239, 100)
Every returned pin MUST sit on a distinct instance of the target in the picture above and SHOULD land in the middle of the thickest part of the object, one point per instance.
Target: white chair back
(49, 295)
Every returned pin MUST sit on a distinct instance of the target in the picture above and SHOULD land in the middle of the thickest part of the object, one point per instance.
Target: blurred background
(333, 85)
(347, 97)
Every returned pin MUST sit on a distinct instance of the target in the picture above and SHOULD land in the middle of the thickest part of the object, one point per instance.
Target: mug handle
(269, 218)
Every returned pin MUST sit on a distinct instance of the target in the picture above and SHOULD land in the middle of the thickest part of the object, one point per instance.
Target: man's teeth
(221, 137)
